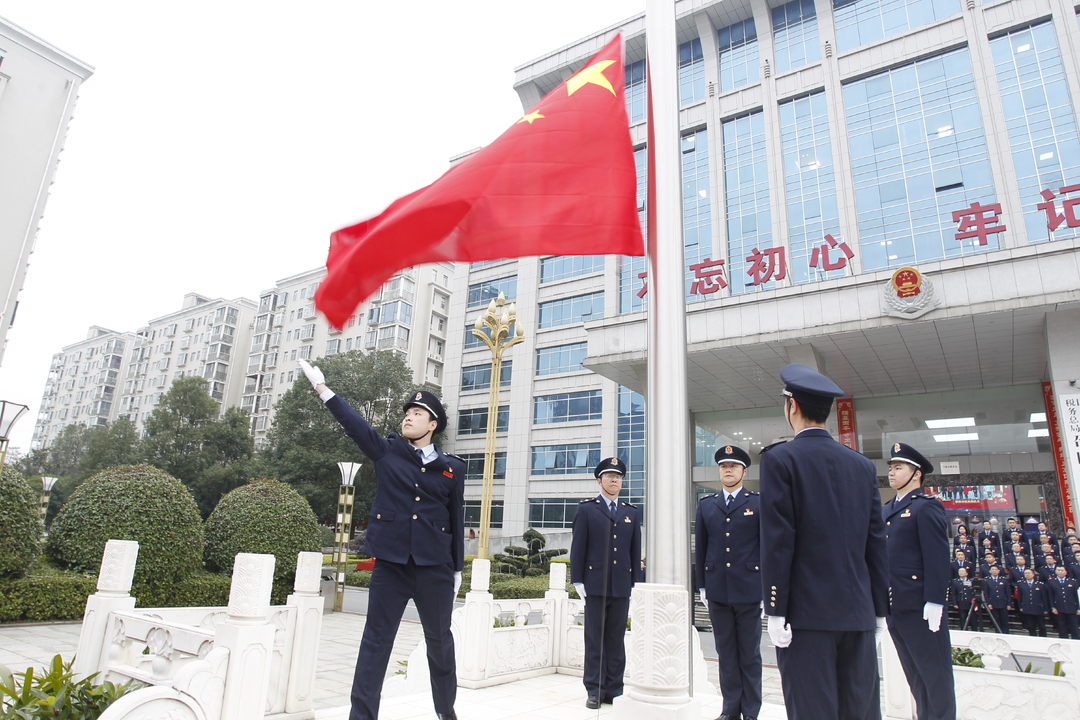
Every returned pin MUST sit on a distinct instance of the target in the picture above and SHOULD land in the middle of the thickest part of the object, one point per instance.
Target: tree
(67, 450)
(115, 444)
(175, 429)
(306, 442)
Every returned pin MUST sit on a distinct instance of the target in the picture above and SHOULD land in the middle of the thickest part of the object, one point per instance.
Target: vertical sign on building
(1069, 455)
(845, 418)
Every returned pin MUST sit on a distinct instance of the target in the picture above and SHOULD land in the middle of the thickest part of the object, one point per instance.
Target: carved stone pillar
(473, 638)
(899, 703)
(249, 638)
(309, 612)
(113, 593)
(658, 657)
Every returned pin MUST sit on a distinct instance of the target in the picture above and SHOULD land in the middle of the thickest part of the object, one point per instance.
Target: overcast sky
(218, 144)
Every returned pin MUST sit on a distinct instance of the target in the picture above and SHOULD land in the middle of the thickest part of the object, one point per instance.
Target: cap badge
(727, 450)
(419, 396)
(896, 448)
(614, 461)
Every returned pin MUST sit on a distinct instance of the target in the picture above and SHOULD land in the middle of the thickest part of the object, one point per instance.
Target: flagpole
(660, 683)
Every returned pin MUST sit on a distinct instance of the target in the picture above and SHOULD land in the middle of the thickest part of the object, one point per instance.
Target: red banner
(1059, 455)
(845, 420)
(975, 498)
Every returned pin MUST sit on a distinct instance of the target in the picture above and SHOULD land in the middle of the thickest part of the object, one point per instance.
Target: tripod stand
(979, 585)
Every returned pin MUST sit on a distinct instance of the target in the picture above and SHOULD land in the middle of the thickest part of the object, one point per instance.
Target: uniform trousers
(969, 617)
(1068, 625)
(736, 629)
(605, 654)
(1001, 614)
(431, 587)
(830, 675)
(1035, 623)
(926, 657)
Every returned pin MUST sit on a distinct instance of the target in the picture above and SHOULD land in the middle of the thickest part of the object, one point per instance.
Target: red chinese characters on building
(1068, 214)
(768, 265)
(708, 277)
(974, 223)
(821, 253)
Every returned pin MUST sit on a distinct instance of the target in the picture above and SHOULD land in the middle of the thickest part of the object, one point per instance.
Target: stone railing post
(478, 624)
(249, 638)
(556, 592)
(309, 611)
(113, 593)
(899, 703)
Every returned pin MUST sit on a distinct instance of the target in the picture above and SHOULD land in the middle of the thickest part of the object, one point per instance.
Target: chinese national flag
(560, 181)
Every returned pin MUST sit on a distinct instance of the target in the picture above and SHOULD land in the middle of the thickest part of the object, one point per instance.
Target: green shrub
(526, 587)
(202, 589)
(264, 516)
(45, 599)
(966, 658)
(130, 502)
(20, 526)
(358, 578)
(326, 537)
(55, 693)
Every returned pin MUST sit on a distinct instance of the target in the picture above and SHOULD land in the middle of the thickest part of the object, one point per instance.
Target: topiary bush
(20, 526)
(264, 516)
(131, 502)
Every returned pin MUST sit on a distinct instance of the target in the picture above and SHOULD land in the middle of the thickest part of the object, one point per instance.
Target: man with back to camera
(727, 551)
(415, 532)
(825, 609)
(605, 562)
(917, 537)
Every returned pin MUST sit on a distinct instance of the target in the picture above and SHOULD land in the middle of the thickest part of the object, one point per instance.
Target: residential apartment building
(39, 85)
(882, 190)
(246, 351)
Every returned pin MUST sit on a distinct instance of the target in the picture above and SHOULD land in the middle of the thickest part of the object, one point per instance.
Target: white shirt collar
(429, 452)
(730, 494)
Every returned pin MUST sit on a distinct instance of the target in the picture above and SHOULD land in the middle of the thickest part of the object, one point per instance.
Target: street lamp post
(493, 329)
(343, 533)
(46, 490)
(9, 413)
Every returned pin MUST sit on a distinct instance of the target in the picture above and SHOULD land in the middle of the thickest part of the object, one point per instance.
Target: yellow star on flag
(530, 117)
(592, 74)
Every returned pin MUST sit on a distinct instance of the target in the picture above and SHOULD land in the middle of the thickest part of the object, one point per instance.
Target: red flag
(559, 181)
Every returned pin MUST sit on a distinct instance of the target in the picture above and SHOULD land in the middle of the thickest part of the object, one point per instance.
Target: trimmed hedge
(203, 589)
(44, 599)
(264, 516)
(131, 502)
(20, 524)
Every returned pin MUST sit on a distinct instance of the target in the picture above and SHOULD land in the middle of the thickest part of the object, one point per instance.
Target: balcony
(393, 343)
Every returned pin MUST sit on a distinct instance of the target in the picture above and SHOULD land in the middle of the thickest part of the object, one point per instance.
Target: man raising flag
(561, 180)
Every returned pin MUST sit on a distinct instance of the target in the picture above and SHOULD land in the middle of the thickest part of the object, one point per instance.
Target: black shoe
(447, 716)
(593, 703)
(608, 699)
(748, 717)
(731, 717)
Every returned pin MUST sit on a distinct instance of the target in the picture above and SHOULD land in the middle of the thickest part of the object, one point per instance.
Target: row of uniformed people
(1045, 567)
(1032, 598)
(988, 539)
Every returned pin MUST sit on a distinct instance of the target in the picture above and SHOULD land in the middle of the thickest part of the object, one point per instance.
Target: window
(861, 22)
(567, 266)
(471, 341)
(305, 352)
(571, 310)
(576, 459)
(475, 420)
(472, 514)
(370, 339)
(561, 358)
(691, 73)
(474, 467)
(553, 512)
(478, 377)
(567, 407)
(483, 293)
(333, 347)
(749, 215)
(307, 332)
(373, 316)
(635, 91)
(795, 41)
(630, 441)
(398, 311)
(738, 55)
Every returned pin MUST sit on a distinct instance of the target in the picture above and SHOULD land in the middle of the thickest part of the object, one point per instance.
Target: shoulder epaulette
(752, 492)
(765, 449)
(456, 457)
(592, 499)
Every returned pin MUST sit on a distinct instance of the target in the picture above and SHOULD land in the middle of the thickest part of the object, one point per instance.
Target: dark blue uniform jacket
(418, 509)
(1034, 598)
(918, 542)
(1063, 595)
(961, 594)
(605, 553)
(727, 548)
(999, 592)
(834, 583)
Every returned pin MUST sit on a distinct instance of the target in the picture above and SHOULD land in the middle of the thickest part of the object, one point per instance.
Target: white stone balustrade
(999, 691)
(244, 661)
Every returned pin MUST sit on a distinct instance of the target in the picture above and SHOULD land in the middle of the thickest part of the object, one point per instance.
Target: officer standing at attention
(917, 537)
(822, 606)
(727, 550)
(605, 562)
(1064, 603)
(998, 598)
(415, 532)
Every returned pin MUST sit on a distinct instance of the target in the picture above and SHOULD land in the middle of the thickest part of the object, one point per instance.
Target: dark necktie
(730, 499)
(611, 508)
(419, 454)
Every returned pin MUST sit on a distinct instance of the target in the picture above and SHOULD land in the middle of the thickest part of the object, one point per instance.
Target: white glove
(701, 592)
(879, 631)
(457, 583)
(931, 613)
(761, 606)
(313, 373)
(779, 631)
(580, 587)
